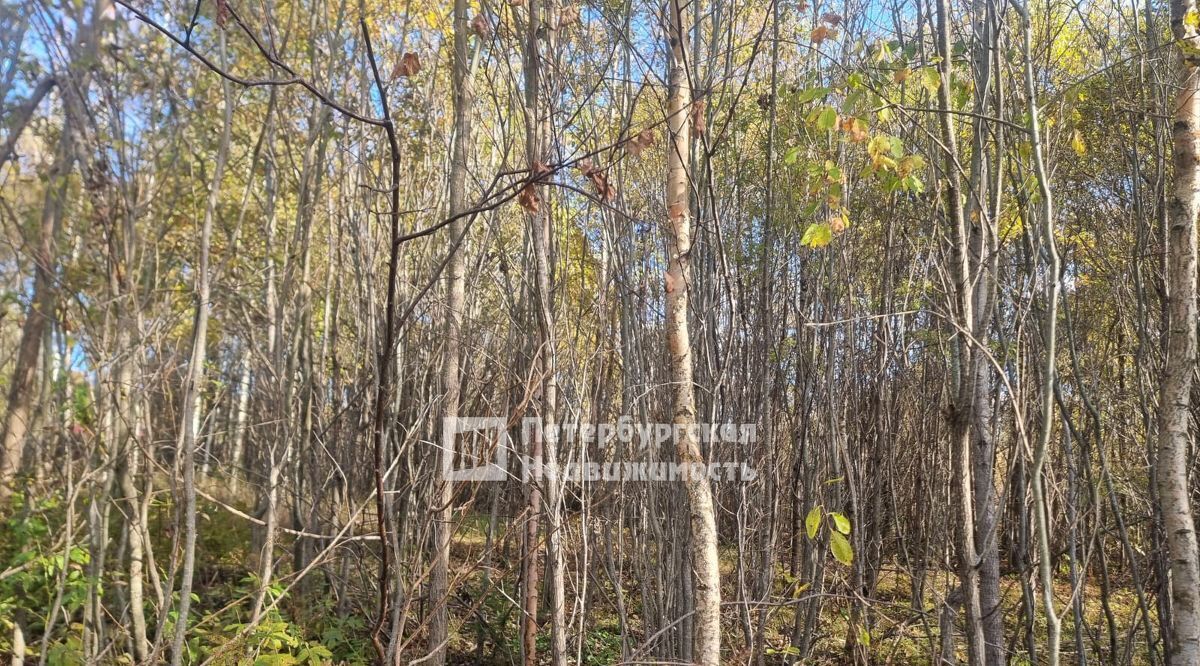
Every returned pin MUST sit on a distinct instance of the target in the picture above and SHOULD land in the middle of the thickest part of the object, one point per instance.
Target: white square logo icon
(478, 447)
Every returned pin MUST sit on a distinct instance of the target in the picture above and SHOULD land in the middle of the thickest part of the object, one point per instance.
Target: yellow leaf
(817, 236)
(841, 548)
(864, 636)
(840, 522)
(931, 79)
(1077, 143)
(813, 520)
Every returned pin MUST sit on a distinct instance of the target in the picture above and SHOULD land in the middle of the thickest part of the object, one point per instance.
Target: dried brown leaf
(481, 26)
(409, 65)
(568, 16)
(698, 123)
(529, 199)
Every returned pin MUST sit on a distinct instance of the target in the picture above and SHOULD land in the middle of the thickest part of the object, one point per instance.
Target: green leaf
(914, 184)
(910, 164)
(841, 548)
(806, 96)
(840, 523)
(864, 636)
(827, 120)
(813, 521)
(930, 79)
(816, 236)
(791, 155)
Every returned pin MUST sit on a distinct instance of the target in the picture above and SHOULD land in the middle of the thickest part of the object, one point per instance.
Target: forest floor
(900, 633)
(309, 619)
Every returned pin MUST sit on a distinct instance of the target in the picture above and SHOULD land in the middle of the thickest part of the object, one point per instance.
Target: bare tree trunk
(241, 415)
(964, 399)
(1175, 402)
(531, 549)
(130, 458)
(194, 384)
(443, 494)
(44, 298)
(21, 117)
(1041, 509)
(543, 232)
(41, 312)
(18, 645)
(706, 623)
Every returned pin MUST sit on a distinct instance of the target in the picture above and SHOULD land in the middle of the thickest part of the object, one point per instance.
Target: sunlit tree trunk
(1041, 510)
(964, 390)
(531, 548)
(21, 391)
(706, 623)
(1174, 416)
(543, 239)
(443, 494)
(194, 381)
(44, 297)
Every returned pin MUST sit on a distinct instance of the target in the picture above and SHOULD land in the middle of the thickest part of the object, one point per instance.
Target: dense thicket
(932, 264)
